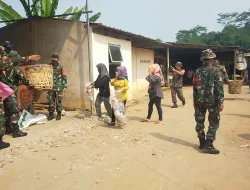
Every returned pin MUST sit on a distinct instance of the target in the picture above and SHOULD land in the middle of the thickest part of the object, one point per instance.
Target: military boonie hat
(207, 54)
(55, 57)
(178, 63)
(13, 54)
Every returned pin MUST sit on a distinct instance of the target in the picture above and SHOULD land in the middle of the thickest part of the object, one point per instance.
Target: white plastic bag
(118, 107)
(89, 91)
(27, 119)
(241, 66)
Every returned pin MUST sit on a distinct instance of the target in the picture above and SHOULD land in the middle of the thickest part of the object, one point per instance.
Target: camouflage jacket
(16, 58)
(12, 77)
(223, 72)
(177, 80)
(59, 78)
(208, 86)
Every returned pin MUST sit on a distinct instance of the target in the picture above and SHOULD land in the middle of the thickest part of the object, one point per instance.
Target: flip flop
(157, 122)
(145, 120)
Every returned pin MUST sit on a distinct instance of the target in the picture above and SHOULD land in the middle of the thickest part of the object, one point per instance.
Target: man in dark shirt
(102, 83)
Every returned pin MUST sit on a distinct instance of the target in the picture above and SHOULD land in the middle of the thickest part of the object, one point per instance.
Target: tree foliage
(236, 32)
(44, 8)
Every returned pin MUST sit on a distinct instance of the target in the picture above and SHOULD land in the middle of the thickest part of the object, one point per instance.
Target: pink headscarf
(156, 70)
(5, 91)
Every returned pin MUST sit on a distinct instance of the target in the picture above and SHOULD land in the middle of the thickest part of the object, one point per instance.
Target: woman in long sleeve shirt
(102, 83)
(156, 80)
(120, 83)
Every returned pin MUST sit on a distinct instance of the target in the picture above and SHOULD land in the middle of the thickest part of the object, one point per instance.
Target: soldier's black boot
(184, 102)
(51, 116)
(3, 144)
(202, 143)
(174, 106)
(209, 148)
(9, 130)
(59, 116)
(17, 132)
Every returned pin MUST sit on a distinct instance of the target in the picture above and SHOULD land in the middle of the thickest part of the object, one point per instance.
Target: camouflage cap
(55, 56)
(178, 63)
(207, 54)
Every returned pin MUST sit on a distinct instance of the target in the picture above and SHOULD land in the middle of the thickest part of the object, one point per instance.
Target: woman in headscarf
(156, 81)
(102, 83)
(120, 83)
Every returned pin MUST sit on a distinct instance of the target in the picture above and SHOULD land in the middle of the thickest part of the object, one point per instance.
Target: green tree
(236, 31)
(238, 19)
(193, 35)
(44, 8)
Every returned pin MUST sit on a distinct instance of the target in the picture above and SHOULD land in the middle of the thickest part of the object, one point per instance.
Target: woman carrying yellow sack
(120, 83)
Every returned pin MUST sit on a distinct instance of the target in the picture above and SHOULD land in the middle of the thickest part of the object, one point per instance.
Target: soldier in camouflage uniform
(176, 84)
(60, 85)
(2, 127)
(222, 70)
(208, 95)
(11, 76)
(2, 132)
(7, 50)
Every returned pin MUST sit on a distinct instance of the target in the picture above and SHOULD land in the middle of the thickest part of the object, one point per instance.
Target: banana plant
(44, 8)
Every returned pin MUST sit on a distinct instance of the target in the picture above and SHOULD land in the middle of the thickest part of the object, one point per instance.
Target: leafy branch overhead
(42, 8)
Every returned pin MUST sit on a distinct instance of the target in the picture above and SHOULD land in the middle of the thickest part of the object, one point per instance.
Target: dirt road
(77, 152)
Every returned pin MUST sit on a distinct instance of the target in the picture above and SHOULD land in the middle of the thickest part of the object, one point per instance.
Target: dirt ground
(82, 153)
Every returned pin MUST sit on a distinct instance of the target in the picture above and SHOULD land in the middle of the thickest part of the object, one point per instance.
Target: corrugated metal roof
(136, 39)
(205, 46)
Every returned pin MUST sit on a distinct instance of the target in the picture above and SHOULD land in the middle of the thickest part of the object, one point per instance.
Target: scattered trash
(27, 119)
(98, 181)
(66, 131)
(244, 146)
(64, 113)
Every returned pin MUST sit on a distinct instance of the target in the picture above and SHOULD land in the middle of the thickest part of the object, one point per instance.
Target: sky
(154, 18)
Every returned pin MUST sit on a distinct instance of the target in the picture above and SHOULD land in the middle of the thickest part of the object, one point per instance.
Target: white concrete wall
(100, 54)
(140, 70)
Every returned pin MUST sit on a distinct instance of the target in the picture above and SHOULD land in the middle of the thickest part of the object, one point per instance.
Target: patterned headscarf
(156, 70)
(123, 74)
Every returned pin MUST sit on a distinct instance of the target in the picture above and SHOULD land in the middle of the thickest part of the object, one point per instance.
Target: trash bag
(5, 91)
(27, 119)
(89, 91)
(241, 63)
(118, 107)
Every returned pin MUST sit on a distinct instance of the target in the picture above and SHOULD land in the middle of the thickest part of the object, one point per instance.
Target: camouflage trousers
(11, 111)
(213, 119)
(178, 91)
(55, 101)
(2, 126)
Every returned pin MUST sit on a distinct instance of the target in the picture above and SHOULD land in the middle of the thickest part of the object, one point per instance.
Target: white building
(110, 46)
